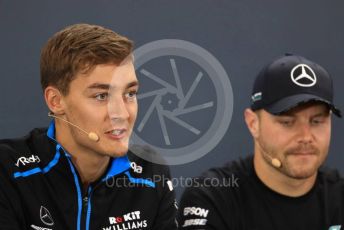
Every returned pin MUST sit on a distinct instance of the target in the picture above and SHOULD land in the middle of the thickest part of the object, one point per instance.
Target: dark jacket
(40, 189)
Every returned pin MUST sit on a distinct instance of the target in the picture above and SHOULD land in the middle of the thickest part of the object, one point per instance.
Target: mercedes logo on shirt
(303, 75)
(46, 216)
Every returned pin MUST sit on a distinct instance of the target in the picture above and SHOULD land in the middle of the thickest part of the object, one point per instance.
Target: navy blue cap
(290, 81)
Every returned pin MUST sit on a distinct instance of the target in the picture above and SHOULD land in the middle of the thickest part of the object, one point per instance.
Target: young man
(282, 185)
(77, 174)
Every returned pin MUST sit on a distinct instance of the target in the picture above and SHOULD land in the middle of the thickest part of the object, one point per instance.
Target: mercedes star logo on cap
(305, 78)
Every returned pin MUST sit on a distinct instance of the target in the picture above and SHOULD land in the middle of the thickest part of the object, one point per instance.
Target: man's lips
(116, 133)
(302, 153)
(114, 129)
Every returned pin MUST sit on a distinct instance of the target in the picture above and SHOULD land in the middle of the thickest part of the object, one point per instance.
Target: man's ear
(252, 122)
(54, 99)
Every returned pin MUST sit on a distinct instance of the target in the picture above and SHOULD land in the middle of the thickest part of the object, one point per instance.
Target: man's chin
(113, 149)
(117, 154)
(302, 171)
(118, 151)
(301, 175)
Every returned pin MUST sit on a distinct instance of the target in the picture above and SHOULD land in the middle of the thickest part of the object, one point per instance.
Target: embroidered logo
(45, 216)
(27, 160)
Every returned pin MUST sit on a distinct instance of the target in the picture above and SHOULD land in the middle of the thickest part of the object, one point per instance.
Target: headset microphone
(274, 161)
(91, 135)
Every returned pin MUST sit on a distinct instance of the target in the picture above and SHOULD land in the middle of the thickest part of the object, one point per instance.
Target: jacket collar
(117, 165)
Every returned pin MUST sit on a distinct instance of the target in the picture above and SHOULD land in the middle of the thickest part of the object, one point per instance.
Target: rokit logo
(131, 220)
(27, 160)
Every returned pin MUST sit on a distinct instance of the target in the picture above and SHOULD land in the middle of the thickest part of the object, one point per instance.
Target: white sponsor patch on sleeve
(195, 222)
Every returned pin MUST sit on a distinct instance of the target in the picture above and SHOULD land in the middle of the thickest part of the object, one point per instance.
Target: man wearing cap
(282, 186)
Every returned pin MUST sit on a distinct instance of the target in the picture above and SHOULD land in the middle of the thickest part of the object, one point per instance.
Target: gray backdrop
(242, 35)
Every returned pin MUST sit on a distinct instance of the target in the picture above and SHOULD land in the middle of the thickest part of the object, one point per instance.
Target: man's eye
(131, 95)
(101, 96)
(286, 122)
(317, 121)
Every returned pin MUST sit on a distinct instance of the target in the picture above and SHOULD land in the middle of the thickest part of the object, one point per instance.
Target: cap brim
(291, 102)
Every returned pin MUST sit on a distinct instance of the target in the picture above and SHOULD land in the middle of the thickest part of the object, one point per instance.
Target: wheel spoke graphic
(190, 110)
(148, 113)
(193, 108)
(163, 126)
(177, 78)
(151, 93)
(181, 123)
(181, 106)
(168, 86)
(191, 90)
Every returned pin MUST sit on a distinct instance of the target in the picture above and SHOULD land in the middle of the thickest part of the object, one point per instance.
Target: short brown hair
(77, 48)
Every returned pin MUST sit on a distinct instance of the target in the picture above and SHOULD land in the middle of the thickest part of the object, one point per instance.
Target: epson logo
(196, 211)
(27, 160)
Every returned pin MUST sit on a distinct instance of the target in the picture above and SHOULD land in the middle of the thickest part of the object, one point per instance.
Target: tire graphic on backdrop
(185, 101)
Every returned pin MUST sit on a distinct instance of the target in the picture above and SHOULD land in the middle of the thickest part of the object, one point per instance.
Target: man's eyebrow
(322, 114)
(108, 86)
(99, 86)
(285, 114)
(319, 114)
(132, 84)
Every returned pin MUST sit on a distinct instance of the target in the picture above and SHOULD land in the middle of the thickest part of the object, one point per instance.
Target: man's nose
(305, 134)
(117, 108)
